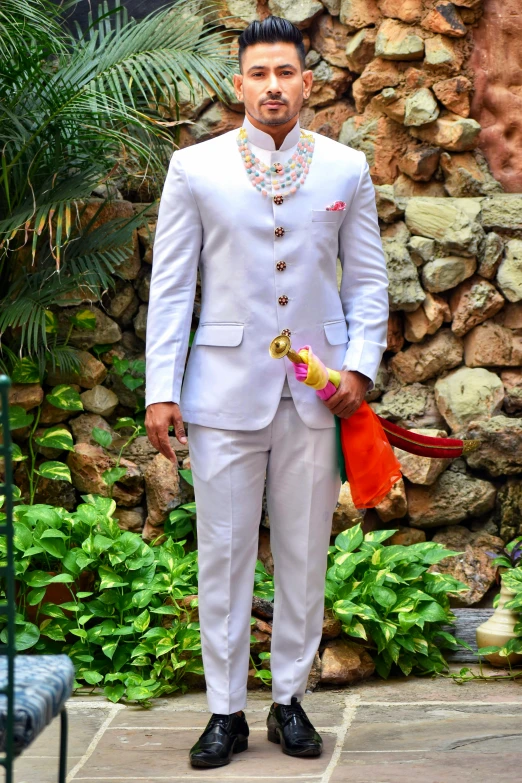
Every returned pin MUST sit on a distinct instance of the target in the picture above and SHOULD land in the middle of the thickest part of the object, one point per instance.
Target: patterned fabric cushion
(43, 683)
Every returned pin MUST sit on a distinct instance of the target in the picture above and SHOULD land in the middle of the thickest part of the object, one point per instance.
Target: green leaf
(18, 417)
(384, 596)
(57, 437)
(105, 506)
(138, 693)
(56, 471)
(350, 539)
(141, 622)
(35, 596)
(16, 454)
(38, 579)
(53, 544)
(488, 650)
(22, 538)
(26, 636)
(84, 319)
(102, 543)
(142, 598)
(187, 475)
(109, 648)
(91, 676)
(102, 437)
(432, 612)
(65, 397)
(378, 536)
(112, 475)
(110, 578)
(124, 421)
(25, 371)
(51, 322)
(114, 692)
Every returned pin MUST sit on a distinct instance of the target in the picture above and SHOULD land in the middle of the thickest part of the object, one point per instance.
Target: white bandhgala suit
(247, 414)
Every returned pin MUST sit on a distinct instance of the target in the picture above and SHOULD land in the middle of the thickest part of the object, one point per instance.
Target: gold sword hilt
(281, 346)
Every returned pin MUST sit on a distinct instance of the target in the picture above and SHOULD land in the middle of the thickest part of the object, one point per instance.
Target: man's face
(272, 84)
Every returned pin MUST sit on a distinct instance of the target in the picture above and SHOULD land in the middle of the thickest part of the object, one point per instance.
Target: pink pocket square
(337, 206)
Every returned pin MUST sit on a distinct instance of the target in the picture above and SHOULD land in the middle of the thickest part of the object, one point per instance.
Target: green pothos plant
(390, 599)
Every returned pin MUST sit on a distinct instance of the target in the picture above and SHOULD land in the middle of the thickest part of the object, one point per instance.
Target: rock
(314, 677)
(329, 84)
(51, 415)
(344, 663)
(421, 250)
(262, 608)
(395, 338)
(472, 302)
(445, 273)
(405, 10)
(490, 255)
(491, 345)
(360, 49)
(214, 121)
(264, 550)
(415, 325)
(105, 330)
(420, 108)
(494, 60)
(453, 498)
(262, 633)
(502, 213)
(427, 319)
(463, 176)
(99, 400)
(83, 425)
(333, 6)
(124, 304)
(445, 19)
(236, 14)
(474, 568)
(453, 223)
(25, 395)
(436, 308)
(140, 322)
(299, 12)
(410, 406)
(512, 380)
(152, 534)
(396, 231)
(381, 140)
(54, 493)
(454, 94)
(394, 505)
(146, 236)
(509, 275)
(379, 74)
(330, 38)
(443, 55)
(87, 464)
(396, 41)
(331, 625)
(345, 514)
(469, 394)
(162, 488)
(91, 373)
(510, 316)
(420, 164)
(508, 510)
(390, 103)
(143, 288)
(312, 58)
(387, 208)
(500, 451)
(131, 519)
(329, 121)
(407, 536)
(359, 13)
(406, 187)
(422, 470)
(426, 360)
(451, 132)
(404, 291)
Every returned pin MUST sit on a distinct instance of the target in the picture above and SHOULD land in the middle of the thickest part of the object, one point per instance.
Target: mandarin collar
(263, 140)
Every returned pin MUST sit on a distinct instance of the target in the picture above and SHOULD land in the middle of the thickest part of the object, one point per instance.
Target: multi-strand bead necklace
(280, 180)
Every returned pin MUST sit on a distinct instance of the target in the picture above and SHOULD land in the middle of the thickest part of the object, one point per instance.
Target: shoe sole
(239, 747)
(275, 737)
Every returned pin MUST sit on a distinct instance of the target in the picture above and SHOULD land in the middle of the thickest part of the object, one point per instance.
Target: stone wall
(391, 78)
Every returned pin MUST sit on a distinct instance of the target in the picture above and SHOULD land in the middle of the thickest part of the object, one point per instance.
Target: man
(252, 209)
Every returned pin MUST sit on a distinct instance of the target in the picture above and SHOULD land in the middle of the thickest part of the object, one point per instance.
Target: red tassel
(425, 445)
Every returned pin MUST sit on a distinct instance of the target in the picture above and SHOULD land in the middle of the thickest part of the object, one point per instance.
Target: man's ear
(308, 80)
(237, 79)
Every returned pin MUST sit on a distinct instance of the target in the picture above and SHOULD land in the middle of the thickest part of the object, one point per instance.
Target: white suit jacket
(211, 215)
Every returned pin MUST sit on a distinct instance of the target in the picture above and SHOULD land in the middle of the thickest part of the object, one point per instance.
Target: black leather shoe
(288, 725)
(223, 736)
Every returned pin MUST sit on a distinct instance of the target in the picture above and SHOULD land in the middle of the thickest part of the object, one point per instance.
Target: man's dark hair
(273, 29)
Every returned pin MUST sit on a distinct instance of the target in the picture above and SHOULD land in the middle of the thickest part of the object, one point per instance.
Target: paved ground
(402, 731)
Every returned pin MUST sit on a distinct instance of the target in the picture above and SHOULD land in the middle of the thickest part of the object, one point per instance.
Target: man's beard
(274, 121)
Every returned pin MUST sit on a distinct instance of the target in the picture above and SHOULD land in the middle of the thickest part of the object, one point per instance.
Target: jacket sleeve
(176, 252)
(364, 283)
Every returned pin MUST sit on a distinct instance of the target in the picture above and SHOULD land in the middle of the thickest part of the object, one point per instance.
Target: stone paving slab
(401, 731)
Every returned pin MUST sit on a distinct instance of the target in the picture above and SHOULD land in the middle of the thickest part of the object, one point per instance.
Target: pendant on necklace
(278, 200)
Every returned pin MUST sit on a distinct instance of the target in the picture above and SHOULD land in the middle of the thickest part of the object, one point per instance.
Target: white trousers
(303, 483)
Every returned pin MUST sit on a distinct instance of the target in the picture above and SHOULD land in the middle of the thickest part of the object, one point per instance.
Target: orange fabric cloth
(371, 465)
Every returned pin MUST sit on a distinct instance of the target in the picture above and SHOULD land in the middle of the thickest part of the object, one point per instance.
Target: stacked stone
(391, 78)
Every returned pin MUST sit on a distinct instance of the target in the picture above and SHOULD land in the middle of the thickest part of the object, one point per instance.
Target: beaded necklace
(286, 178)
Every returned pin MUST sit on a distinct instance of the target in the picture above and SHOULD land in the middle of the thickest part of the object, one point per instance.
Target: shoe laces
(294, 710)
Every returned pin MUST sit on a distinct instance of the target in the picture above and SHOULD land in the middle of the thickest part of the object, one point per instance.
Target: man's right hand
(158, 417)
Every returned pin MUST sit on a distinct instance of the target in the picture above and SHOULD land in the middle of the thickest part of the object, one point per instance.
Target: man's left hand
(349, 395)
